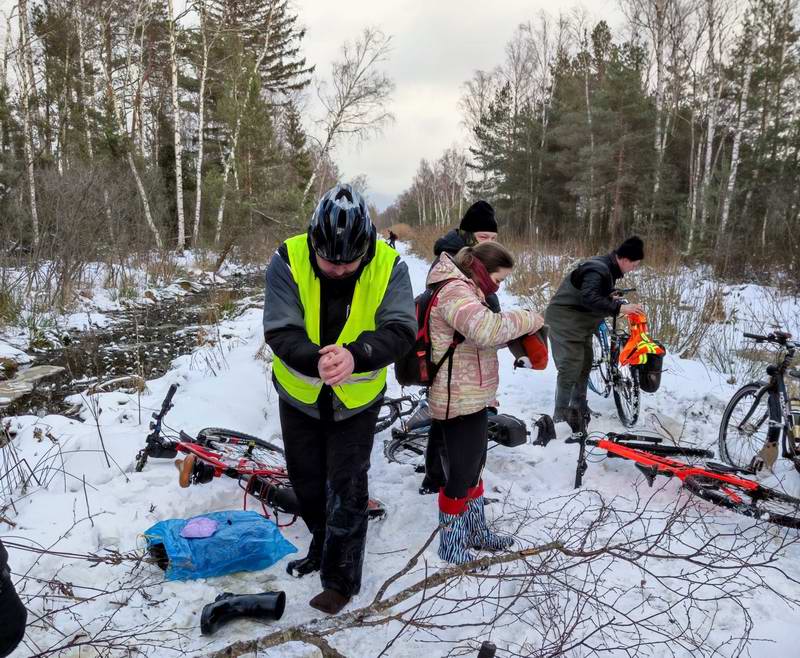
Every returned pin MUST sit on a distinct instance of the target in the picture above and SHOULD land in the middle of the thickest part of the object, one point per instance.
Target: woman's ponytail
(493, 255)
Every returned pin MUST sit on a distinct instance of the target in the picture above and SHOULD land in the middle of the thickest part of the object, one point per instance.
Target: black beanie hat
(632, 248)
(479, 217)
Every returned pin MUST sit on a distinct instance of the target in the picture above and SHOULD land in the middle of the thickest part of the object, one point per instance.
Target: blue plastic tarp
(244, 541)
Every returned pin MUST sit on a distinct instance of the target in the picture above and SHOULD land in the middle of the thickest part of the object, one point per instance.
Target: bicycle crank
(193, 471)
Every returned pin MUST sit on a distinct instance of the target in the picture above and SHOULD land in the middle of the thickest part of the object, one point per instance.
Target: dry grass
(422, 239)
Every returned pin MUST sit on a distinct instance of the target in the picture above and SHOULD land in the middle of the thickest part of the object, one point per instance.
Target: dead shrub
(403, 231)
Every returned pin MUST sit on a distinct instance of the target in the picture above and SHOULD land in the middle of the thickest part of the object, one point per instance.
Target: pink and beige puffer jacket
(459, 307)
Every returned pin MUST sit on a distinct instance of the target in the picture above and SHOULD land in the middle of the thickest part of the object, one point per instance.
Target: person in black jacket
(338, 309)
(477, 225)
(12, 613)
(583, 299)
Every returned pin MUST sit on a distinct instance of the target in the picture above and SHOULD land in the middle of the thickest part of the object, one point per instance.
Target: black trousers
(12, 615)
(434, 453)
(328, 463)
(464, 456)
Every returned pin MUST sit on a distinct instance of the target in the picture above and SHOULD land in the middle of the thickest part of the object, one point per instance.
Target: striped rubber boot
(480, 537)
(454, 530)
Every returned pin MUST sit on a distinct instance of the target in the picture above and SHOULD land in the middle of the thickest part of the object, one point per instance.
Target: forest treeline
(682, 124)
(128, 125)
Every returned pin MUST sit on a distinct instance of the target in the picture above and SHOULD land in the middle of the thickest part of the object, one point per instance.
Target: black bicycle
(608, 375)
(760, 415)
(408, 441)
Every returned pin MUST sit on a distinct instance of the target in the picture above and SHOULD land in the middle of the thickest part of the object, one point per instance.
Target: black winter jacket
(589, 286)
(451, 242)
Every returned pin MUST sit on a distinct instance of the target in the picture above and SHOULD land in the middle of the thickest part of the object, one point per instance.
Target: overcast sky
(437, 46)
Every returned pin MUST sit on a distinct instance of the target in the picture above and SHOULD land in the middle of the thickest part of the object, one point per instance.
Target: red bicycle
(716, 483)
(257, 465)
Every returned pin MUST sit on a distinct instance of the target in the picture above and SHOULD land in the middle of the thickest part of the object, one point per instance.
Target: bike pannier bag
(507, 430)
(650, 371)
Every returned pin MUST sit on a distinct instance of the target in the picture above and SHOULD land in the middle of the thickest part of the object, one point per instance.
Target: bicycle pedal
(577, 437)
(650, 473)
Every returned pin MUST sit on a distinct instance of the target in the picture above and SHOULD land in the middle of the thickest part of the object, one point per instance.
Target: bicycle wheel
(387, 415)
(759, 503)
(406, 447)
(744, 428)
(626, 394)
(240, 446)
(600, 376)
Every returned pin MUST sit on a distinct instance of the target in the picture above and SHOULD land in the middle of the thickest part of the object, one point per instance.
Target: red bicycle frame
(656, 464)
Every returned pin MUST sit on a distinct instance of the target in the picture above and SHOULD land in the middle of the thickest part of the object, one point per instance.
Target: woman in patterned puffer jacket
(465, 387)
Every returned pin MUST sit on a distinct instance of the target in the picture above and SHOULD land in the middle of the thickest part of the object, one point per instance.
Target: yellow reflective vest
(360, 388)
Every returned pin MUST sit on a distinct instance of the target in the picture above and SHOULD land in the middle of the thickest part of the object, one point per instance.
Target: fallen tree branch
(318, 629)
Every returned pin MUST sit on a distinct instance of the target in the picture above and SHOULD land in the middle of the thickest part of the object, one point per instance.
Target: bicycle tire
(761, 503)
(406, 447)
(627, 395)
(599, 375)
(738, 444)
(386, 420)
(239, 445)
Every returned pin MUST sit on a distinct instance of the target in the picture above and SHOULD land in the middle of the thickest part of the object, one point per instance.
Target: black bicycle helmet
(341, 229)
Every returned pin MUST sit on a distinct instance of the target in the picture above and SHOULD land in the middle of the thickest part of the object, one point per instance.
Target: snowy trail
(227, 385)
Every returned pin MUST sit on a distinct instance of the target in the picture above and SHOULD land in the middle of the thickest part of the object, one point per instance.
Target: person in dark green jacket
(584, 298)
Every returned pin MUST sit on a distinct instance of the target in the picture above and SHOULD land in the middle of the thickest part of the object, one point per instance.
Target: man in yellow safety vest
(338, 309)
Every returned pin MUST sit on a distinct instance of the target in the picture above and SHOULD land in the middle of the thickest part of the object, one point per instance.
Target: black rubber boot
(228, 606)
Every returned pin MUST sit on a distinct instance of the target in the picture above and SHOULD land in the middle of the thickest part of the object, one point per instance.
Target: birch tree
(737, 142)
(176, 118)
(25, 73)
(241, 109)
(117, 113)
(205, 45)
(356, 103)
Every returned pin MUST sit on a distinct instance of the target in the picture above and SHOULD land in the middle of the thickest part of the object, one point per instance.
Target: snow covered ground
(88, 506)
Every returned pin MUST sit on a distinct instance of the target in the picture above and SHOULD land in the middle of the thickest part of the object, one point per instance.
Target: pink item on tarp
(199, 527)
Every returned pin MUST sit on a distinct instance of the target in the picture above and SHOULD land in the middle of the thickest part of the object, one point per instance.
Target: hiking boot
(313, 559)
(304, 566)
(329, 601)
(429, 486)
(571, 417)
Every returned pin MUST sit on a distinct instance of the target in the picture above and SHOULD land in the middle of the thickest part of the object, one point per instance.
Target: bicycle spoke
(745, 427)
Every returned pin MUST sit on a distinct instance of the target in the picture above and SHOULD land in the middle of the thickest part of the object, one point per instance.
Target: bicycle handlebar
(166, 405)
(777, 337)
